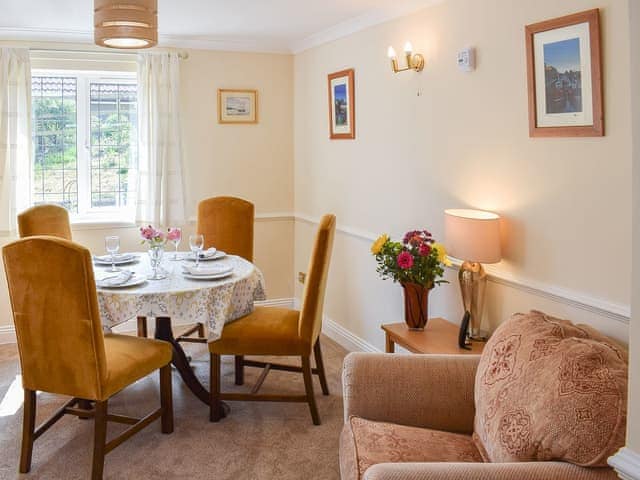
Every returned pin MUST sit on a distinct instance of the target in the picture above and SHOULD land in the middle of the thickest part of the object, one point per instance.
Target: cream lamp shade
(125, 23)
(472, 235)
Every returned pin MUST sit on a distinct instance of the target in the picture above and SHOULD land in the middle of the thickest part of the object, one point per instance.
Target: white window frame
(87, 215)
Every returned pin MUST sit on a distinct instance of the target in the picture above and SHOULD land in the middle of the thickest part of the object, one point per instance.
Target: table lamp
(473, 236)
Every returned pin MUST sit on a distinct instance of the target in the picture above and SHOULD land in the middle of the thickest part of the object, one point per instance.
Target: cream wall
(633, 436)
(445, 138)
(251, 161)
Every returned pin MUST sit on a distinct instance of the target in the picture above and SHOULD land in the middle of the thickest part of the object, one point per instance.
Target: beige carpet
(257, 440)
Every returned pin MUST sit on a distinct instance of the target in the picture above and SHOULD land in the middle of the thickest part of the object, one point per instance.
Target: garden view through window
(85, 141)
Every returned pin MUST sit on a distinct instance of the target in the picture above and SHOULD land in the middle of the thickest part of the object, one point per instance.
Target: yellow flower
(379, 243)
(442, 254)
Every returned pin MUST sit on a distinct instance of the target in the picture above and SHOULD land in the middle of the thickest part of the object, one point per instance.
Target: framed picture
(565, 77)
(237, 106)
(342, 119)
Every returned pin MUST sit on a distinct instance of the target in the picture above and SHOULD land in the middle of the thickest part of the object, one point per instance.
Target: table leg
(179, 360)
(390, 347)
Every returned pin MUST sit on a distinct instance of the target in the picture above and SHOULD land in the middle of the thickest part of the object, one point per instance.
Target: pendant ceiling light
(125, 23)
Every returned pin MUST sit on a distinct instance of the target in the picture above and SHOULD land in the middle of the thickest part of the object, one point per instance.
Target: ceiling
(253, 25)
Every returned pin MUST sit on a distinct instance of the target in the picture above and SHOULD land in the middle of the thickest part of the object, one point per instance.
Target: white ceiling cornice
(369, 19)
(265, 45)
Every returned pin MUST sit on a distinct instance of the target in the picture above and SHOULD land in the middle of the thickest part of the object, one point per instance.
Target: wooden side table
(439, 336)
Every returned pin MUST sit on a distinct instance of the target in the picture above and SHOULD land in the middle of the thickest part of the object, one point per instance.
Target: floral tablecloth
(211, 302)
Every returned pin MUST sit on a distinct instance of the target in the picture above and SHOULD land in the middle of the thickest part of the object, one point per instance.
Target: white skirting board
(7, 334)
(626, 463)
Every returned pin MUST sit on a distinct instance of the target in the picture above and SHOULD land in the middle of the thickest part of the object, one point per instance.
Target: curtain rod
(183, 55)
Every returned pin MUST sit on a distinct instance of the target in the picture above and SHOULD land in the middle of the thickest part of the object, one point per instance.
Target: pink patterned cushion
(381, 442)
(547, 389)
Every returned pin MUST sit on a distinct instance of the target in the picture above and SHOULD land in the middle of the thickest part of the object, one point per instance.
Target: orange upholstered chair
(48, 219)
(280, 332)
(226, 224)
(63, 349)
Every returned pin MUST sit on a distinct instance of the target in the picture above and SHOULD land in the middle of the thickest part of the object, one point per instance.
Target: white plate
(217, 256)
(217, 276)
(206, 270)
(130, 258)
(135, 279)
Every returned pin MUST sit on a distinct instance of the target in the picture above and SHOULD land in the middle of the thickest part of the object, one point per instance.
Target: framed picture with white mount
(564, 74)
(342, 115)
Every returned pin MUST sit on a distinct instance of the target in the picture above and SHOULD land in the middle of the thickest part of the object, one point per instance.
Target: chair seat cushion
(130, 358)
(547, 389)
(265, 331)
(365, 443)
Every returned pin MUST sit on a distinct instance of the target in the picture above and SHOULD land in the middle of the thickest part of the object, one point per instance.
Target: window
(85, 141)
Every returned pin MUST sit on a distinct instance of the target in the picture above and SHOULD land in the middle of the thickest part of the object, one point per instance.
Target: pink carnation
(405, 260)
(424, 250)
(147, 232)
(174, 234)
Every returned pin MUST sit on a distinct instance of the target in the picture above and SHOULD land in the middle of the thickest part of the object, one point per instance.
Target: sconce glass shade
(125, 23)
(408, 48)
(473, 235)
(391, 52)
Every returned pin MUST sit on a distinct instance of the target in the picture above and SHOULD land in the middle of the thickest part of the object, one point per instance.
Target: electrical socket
(302, 277)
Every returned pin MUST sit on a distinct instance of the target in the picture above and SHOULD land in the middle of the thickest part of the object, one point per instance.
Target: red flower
(405, 260)
(424, 250)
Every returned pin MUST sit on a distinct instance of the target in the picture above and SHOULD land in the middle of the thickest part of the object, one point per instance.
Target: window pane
(113, 141)
(54, 103)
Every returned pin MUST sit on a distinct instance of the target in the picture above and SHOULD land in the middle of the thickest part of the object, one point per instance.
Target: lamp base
(473, 281)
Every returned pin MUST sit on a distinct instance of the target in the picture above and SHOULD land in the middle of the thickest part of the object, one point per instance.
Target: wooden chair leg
(308, 386)
(200, 330)
(166, 399)
(215, 405)
(317, 352)
(239, 369)
(142, 326)
(99, 439)
(28, 428)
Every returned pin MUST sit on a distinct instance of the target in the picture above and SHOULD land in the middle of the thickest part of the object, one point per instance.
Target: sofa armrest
(431, 391)
(486, 471)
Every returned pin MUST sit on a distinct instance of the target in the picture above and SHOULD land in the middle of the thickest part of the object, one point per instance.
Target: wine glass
(175, 234)
(196, 243)
(112, 245)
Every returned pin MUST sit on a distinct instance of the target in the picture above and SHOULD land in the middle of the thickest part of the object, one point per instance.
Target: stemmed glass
(175, 235)
(112, 244)
(196, 243)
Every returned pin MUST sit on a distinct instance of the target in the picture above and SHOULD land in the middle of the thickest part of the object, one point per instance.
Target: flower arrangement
(418, 259)
(152, 236)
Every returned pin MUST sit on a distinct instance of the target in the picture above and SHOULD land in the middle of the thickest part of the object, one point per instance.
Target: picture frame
(564, 76)
(342, 118)
(237, 106)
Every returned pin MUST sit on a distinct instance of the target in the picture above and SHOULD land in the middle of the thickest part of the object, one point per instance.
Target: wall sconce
(415, 61)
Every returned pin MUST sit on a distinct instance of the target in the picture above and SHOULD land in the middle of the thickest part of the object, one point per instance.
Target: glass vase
(155, 259)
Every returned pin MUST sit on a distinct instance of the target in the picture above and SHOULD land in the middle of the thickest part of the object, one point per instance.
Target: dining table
(180, 296)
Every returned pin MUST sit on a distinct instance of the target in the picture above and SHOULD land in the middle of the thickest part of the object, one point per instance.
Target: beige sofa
(436, 394)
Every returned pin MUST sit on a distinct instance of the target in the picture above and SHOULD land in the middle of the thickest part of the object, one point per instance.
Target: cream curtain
(15, 135)
(160, 195)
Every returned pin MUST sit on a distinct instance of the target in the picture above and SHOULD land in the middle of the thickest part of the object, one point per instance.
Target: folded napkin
(118, 257)
(207, 270)
(118, 279)
(208, 253)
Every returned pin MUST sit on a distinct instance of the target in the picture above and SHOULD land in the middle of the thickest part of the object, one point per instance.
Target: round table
(210, 303)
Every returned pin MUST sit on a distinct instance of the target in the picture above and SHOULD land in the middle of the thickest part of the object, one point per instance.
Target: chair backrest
(55, 311)
(48, 219)
(227, 224)
(314, 289)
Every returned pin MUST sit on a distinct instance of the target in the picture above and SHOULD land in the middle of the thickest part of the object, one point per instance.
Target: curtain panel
(15, 135)
(160, 193)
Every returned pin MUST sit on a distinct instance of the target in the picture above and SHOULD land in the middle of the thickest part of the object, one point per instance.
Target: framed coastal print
(564, 76)
(342, 117)
(237, 106)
